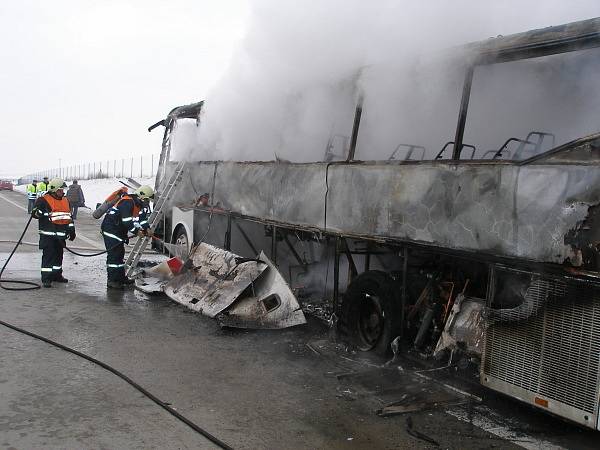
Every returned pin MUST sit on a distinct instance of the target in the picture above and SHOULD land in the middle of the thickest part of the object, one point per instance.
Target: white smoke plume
(296, 77)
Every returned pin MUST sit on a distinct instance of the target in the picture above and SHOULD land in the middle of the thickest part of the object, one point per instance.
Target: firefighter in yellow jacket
(31, 195)
(55, 226)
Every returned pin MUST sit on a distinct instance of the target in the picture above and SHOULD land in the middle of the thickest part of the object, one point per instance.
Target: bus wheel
(370, 312)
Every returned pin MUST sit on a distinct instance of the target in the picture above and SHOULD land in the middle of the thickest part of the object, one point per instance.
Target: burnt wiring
(326, 195)
(210, 218)
(325, 224)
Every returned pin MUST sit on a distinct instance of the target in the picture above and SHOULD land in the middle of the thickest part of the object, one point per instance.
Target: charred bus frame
(550, 270)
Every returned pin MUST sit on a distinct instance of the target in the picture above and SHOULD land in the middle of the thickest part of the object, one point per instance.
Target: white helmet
(145, 192)
(55, 184)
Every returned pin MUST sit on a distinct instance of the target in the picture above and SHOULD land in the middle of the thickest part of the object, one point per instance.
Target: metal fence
(133, 167)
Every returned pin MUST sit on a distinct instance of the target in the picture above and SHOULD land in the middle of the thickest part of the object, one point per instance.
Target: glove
(72, 236)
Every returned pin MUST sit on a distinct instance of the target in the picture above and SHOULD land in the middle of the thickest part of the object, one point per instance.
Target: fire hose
(30, 285)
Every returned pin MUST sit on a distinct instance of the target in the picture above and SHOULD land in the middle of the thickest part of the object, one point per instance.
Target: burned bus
(484, 256)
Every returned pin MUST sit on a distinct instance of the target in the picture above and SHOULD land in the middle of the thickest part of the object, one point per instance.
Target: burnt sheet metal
(505, 210)
(149, 284)
(215, 281)
(238, 292)
(270, 303)
(152, 280)
(465, 326)
(502, 208)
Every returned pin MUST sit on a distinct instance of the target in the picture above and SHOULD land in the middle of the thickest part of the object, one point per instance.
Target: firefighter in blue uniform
(53, 212)
(128, 215)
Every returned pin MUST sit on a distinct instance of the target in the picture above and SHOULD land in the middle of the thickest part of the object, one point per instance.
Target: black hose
(148, 394)
(125, 378)
(88, 255)
(30, 284)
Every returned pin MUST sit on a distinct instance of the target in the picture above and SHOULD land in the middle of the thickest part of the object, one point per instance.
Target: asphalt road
(251, 389)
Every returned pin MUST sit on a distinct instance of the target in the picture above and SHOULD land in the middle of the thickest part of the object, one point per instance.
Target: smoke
(297, 75)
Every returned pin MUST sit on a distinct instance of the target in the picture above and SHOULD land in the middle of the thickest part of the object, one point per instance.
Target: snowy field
(96, 191)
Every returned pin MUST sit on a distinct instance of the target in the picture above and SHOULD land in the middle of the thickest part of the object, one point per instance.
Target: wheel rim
(370, 321)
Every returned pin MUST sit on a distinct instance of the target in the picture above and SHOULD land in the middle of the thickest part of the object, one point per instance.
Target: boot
(47, 284)
(61, 279)
(128, 281)
(114, 285)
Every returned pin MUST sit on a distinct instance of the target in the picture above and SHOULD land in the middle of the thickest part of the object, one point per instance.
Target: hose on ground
(128, 380)
(87, 255)
(30, 284)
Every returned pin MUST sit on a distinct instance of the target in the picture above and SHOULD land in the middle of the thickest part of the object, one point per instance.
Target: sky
(82, 80)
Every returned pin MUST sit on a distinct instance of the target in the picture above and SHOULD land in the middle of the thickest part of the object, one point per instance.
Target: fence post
(122, 167)
(141, 167)
(152, 165)
(115, 168)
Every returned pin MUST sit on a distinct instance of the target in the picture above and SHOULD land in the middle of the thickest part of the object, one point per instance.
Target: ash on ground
(321, 309)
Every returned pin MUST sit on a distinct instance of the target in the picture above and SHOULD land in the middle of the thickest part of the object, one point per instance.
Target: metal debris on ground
(238, 292)
(320, 310)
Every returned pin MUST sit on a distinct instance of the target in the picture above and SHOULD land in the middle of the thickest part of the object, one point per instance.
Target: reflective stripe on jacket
(127, 221)
(41, 189)
(31, 192)
(126, 216)
(60, 210)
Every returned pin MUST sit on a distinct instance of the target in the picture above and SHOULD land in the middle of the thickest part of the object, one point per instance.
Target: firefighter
(55, 225)
(31, 195)
(128, 215)
(42, 187)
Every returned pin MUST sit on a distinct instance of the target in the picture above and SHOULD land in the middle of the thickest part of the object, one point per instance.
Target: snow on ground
(96, 191)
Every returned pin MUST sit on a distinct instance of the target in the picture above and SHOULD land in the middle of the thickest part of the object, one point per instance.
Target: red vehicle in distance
(6, 185)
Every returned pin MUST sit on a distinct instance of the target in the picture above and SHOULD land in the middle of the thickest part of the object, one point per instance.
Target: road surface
(251, 389)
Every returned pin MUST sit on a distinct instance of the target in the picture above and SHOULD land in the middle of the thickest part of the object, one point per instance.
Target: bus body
(409, 248)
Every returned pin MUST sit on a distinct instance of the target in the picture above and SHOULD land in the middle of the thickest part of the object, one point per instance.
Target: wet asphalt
(251, 389)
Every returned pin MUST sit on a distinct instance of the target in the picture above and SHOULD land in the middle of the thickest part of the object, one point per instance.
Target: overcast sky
(81, 80)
